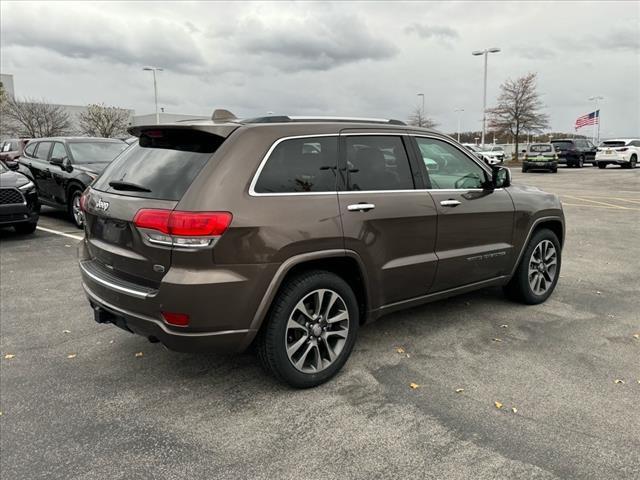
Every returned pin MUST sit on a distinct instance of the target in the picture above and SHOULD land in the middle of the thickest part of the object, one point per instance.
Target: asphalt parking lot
(86, 401)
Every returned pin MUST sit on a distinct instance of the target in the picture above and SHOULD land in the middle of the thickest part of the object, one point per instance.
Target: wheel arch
(555, 224)
(344, 263)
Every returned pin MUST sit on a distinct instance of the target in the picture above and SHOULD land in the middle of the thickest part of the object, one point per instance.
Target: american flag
(589, 119)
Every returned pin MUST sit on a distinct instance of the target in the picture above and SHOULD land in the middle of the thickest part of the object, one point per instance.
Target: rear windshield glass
(541, 148)
(162, 165)
(95, 152)
(613, 144)
(563, 145)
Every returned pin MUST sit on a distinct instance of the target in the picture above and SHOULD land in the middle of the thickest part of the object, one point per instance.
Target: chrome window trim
(263, 162)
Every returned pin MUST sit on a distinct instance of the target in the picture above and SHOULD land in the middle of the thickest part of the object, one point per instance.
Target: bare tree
(519, 109)
(102, 121)
(33, 119)
(418, 118)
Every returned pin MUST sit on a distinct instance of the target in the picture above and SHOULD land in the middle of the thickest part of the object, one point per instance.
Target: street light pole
(459, 112)
(595, 98)
(421, 116)
(486, 53)
(155, 89)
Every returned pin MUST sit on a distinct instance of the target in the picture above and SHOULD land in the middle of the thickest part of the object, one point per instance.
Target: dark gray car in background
(288, 233)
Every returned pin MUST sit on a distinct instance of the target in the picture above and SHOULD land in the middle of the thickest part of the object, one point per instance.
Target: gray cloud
(431, 31)
(313, 43)
(532, 52)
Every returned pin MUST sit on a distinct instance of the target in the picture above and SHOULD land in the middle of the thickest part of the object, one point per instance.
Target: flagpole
(596, 98)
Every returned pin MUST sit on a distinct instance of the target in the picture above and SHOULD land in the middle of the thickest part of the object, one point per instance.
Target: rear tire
(311, 329)
(580, 162)
(524, 170)
(634, 161)
(73, 208)
(538, 271)
(25, 228)
(602, 165)
(554, 170)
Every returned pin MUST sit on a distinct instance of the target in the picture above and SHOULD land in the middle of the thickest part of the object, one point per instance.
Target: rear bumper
(540, 165)
(228, 341)
(613, 160)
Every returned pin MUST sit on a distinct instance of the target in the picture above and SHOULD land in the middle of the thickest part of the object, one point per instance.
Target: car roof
(626, 140)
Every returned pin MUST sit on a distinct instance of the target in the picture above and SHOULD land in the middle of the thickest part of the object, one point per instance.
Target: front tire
(632, 162)
(602, 165)
(311, 329)
(581, 162)
(538, 271)
(75, 212)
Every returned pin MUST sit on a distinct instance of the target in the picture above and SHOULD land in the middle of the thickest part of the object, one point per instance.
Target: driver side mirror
(63, 163)
(501, 177)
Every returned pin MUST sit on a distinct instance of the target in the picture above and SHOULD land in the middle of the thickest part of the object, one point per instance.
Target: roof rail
(286, 119)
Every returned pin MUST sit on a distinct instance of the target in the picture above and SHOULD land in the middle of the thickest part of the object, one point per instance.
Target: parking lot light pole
(596, 140)
(486, 53)
(155, 89)
(459, 112)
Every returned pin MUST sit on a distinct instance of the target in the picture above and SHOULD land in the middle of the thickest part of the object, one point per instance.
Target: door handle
(361, 207)
(449, 203)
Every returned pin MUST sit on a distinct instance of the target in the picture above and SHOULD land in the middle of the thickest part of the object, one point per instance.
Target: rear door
(388, 217)
(153, 174)
(41, 170)
(58, 175)
(475, 224)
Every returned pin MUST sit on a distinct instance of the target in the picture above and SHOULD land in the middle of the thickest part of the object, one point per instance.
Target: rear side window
(162, 165)
(29, 149)
(43, 150)
(377, 163)
(95, 152)
(300, 165)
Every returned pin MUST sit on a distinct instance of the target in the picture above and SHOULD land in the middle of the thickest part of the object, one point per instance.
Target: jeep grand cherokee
(289, 233)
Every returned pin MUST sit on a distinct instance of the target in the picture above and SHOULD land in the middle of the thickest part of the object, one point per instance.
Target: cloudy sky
(347, 58)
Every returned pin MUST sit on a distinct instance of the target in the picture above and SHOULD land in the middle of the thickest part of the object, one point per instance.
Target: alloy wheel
(78, 215)
(543, 267)
(317, 331)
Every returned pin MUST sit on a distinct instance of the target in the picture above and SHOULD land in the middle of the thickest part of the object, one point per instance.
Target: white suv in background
(623, 151)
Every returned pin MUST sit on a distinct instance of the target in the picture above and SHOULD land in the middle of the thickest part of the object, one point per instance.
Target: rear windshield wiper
(134, 187)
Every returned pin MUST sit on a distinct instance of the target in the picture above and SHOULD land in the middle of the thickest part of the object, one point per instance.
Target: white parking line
(57, 232)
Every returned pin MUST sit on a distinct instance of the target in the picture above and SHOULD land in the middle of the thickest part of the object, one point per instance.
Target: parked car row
(575, 152)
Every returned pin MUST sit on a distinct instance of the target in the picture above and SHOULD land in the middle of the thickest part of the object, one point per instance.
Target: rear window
(95, 152)
(562, 145)
(613, 143)
(162, 165)
(541, 148)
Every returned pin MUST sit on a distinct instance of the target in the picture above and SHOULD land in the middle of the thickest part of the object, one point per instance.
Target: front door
(475, 223)
(389, 222)
(58, 175)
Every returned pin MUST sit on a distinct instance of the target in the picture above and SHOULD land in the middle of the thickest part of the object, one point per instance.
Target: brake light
(177, 319)
(623, 149)
(185, 229)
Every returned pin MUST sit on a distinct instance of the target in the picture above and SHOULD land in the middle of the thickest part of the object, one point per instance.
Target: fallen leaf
(66, 331)
(636, 336)
(0, 414)
(110, 341)
(498, 405)
(68, 246)
(611, 316)
(400, 350)
(9, 356)
(459, 390)
(504, 326)
(139, 354)
(496, 339)
(514, 409)
(598, 292)
(408, 355)
(414, 385)
(72, 355)
(617, 380)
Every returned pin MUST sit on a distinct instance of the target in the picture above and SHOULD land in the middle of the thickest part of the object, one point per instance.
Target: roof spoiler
(221, 115)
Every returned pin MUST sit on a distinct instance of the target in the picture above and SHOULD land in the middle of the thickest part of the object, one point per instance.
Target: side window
(448, 167)
(43, 150)
(635, 143)
(376, 162)
(300, 165)
(59, 151)
(30, 149)
(6, 147)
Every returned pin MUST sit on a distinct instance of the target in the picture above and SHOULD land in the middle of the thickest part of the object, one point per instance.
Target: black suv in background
(575, 152)
(63, 167)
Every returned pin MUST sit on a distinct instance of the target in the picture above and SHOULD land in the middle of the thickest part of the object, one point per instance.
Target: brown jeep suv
(288, 233)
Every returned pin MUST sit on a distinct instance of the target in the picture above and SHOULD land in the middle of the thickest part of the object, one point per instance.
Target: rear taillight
(182, 229)
(622, 149)
(83, 201)
(177, 319)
